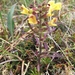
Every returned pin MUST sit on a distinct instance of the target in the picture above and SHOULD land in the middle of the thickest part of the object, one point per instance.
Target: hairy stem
(40, 48)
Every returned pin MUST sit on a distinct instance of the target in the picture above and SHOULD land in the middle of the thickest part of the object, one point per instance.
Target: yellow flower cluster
(52, 7)
(32, 18)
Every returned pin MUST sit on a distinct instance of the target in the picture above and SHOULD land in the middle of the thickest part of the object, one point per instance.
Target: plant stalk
(40, 48)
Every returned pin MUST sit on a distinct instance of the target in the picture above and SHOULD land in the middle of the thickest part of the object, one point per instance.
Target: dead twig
(7, 61)
(22, 70)
(27, 65)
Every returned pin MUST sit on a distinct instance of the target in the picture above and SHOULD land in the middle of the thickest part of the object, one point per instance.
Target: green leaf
(10, 21)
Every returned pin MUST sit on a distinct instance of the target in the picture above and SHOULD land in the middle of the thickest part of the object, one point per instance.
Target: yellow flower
(52, 22)
(53, 6)
(50, 3)
(58, 6)
(49, 14)
(25, 10)
(32, 19)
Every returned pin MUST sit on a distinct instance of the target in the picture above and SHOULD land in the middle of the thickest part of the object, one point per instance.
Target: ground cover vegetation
(37, 37)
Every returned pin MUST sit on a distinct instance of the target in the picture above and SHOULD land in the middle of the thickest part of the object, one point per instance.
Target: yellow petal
(49, 14)
(32, 19)
(54, 19)
(58, 6)
(30, 11)
(51, 3)
(24, 10)
(51, 9)
(54, 6)
(52, 22)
